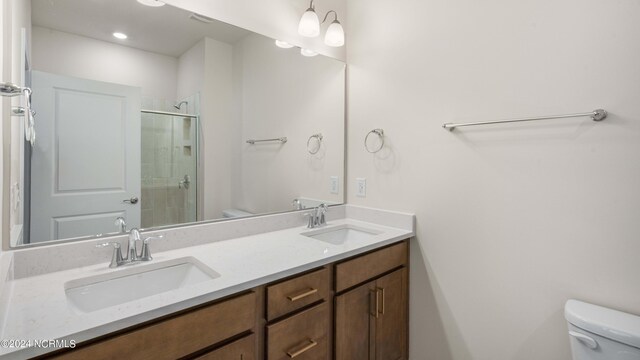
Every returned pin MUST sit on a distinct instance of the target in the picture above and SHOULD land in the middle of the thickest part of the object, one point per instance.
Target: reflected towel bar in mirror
(595, 115)
(280, 139)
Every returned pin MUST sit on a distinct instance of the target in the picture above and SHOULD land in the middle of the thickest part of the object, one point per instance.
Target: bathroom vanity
(284, 319)
(339, 291)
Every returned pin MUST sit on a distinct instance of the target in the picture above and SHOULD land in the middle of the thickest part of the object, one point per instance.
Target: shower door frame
(197, 147)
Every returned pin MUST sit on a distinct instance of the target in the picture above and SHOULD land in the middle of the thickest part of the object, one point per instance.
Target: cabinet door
(354, 311)
(242, 349)
(391, 322)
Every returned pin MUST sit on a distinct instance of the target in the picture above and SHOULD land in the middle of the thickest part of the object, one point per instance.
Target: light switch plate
(333, 185)
(361, 187)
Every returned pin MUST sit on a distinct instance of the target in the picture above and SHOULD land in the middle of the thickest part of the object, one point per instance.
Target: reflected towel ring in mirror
(318, 138)
(380, 134)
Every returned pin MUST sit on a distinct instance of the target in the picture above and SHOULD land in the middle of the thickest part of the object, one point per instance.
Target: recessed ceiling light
(119, 35)
(308, 53)
(283, 44)
(154, 3)
(201, 18)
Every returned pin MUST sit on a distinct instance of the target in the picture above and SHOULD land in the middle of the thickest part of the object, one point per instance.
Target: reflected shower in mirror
(145, 113)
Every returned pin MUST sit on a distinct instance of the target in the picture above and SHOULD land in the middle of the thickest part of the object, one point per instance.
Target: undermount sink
(140, 281)
(342, 234)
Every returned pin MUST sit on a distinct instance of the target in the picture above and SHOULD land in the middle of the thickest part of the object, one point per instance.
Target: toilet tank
(598, 333)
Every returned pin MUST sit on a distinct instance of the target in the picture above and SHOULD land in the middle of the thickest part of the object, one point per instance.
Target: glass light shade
(308, 53)
(309, 24)
(335, 34)
(283, 44)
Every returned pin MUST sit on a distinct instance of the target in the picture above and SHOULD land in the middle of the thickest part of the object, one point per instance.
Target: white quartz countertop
(39, 310)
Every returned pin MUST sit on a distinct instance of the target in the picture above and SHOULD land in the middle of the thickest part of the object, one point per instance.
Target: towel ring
(380, 134)
(318, 138)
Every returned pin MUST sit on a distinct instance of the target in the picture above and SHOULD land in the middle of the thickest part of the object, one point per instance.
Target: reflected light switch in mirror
(361, 187)
(333, 185)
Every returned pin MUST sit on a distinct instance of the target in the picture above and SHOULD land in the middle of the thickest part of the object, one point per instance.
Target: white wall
(217, 123)
(190, 70)
(286, 94)
(512, 219)
(277, 19)
(103, 61)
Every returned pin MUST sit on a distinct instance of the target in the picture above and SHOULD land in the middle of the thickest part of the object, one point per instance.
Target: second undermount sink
(137, 282)
(342, 234)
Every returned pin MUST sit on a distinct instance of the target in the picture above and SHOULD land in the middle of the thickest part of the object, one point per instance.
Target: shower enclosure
(169, 168)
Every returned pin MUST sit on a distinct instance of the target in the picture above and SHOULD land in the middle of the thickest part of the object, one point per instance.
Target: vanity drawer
(293, 294)
(301, 336)
(368, 266)
(178, 336)
(242, 349)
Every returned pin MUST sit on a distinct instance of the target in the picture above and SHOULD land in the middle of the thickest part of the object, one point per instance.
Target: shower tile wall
(168, 154)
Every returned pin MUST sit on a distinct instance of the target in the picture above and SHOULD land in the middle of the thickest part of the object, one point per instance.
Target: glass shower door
(169, 168)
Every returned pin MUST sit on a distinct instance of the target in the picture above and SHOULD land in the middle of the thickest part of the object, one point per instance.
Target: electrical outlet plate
(361, 187)
(333, 185)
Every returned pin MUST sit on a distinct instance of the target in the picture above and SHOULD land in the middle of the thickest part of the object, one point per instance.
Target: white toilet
(598, 333)
(235, 213)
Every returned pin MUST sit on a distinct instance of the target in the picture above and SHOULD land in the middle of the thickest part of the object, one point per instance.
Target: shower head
(179, 105)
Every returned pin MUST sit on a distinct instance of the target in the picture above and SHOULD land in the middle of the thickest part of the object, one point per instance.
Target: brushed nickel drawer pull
(304, 349)
(382, 302)
(304, 294)
(375, 312)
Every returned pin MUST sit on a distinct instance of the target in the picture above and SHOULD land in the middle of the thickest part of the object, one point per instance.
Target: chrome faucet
(132, 254)
(297, 204)
(134, 237)
(121, 224)
(316, 217)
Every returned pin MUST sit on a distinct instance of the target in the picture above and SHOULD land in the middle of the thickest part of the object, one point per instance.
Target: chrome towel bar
(280, 139)
(595, 115)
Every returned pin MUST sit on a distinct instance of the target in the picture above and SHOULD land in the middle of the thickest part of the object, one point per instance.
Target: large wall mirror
(161, 117)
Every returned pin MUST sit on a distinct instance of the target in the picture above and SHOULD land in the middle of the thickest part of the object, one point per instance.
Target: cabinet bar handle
(304, 294)
(307, 347)
(375, 311)
(382, 302)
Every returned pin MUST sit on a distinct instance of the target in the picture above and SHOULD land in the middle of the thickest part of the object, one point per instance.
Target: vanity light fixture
(335, 33)
(309, 26)
(283, 44)
(307, 52)
(153, 3)
(119, 35)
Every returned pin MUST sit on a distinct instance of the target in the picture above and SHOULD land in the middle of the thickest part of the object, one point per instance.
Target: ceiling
(165, 30)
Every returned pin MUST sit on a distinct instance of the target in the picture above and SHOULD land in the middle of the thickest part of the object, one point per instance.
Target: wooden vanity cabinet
(293, 294)
(304, 335)
(241, 349)
(176, 337)
(371, 319)
(356, 309)
(299, 314)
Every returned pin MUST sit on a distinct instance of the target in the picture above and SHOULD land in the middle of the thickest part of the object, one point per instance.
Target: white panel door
(86, 161)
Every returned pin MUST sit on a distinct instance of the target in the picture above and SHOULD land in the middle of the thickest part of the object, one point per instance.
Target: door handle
(133, 200)
(302, 295)
(294, 353)
(375, 303)
(381, 290)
